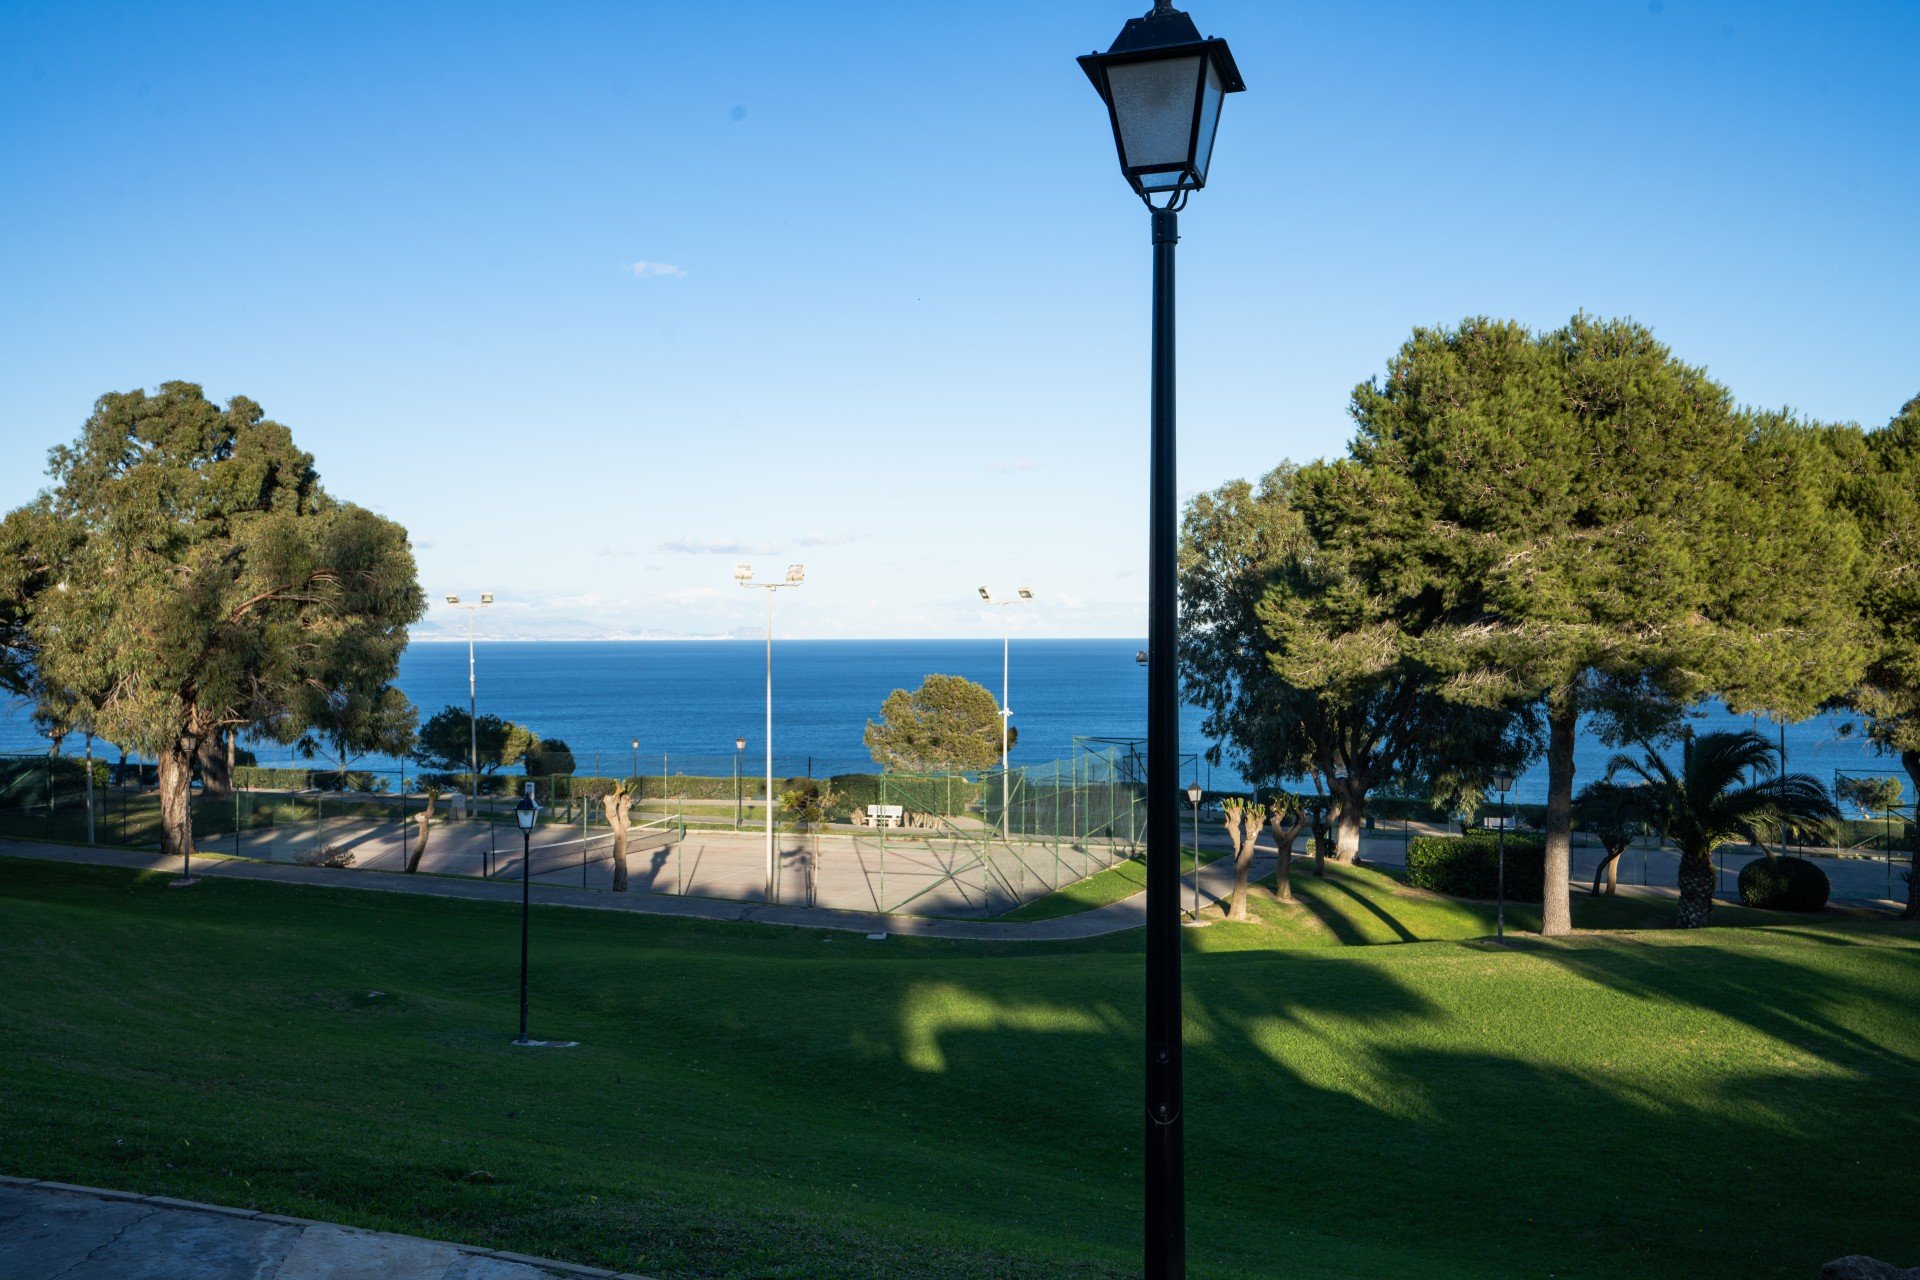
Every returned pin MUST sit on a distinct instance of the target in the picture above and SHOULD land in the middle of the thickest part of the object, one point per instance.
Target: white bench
(891, 815)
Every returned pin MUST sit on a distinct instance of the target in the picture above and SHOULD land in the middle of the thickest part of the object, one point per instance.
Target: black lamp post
(525, 813)
(1193, 798)
(1163, 85)
(1503, 783)
(739, 745)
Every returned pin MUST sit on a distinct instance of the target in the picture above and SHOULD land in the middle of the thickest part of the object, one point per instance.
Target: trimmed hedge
(1784, 884)
(1469, 866)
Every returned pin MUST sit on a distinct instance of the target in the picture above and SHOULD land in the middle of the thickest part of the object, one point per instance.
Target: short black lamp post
(1193, 798)
(1503, 783)
(1163, 85)
(739, 745)
(526, 813)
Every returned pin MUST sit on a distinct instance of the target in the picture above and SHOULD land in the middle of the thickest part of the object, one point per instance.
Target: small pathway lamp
(739, 746)
(1193, 798)
(1163, 86)
(1503, 783)
(527, 813)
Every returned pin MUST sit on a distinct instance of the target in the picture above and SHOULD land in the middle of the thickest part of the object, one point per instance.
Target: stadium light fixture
(1163, 86)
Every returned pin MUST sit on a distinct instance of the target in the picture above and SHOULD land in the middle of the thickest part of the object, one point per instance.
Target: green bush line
(1468, 866)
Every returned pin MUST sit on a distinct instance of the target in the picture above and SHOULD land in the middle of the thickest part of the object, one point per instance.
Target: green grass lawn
(755, 1102)
(1113, 884)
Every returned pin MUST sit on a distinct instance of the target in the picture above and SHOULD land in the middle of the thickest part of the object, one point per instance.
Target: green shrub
(1783, 884)
(1469, 866)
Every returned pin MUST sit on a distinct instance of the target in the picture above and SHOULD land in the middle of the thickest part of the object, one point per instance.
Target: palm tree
(1710, 802)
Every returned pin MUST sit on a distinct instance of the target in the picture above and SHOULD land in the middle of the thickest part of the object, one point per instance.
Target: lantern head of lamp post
(1503, 780)
(1163, 86)
(526, 811)
(743, 572)
(739, 744)
(796, 573)
(1193, 795)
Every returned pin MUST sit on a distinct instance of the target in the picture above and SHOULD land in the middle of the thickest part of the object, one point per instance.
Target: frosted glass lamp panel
(1210, 99)
(1153, 105)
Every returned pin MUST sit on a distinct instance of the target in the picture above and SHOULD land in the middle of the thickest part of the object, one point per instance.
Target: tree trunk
(1613, 871)
(1563, 723)
(1284, 834)
(1910, 760)
(216, 778)
(618, 809)
(420, 848)
(1245, 841)
(1696, 889)
(176, 800)
(1608, 870)
(1349, 811)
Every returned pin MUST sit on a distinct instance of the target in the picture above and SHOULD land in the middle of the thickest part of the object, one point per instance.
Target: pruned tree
(1728, 787)
(548, 757)
(948, 723)
(433, 792)
(617, 803)
(1243, 820)
(810, 804)
(185, 574)
(1286, 818)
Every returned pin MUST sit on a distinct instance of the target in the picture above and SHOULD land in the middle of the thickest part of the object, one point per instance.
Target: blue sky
(893, 318)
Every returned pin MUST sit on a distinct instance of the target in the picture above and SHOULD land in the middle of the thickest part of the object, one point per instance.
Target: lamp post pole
(1503, 783)
(1163, 86)
(1193, 795)
(526, 900)
(473, 719)
(1006, 710)
(796, 574)
(739, 745)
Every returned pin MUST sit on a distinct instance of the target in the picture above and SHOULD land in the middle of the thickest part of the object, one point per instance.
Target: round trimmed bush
(1469, 866)
(1783, 884)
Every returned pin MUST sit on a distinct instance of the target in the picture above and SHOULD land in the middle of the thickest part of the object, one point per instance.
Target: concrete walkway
(52, 1231)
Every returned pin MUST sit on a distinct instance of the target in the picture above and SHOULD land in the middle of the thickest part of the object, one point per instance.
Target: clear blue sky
(893, 321)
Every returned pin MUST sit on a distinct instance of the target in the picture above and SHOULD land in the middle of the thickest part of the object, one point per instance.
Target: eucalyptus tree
(1728, 787)
(1595, 530)
(1303, 666)
(1883, 491)
(185, 574)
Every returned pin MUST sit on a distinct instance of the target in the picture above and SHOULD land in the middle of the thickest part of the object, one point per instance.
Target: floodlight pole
(1500, 906)
(1006, 711)
(1165, 1142)
(796, 574)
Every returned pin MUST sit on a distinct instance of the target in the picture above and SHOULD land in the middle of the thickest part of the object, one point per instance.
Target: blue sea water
(686, 701)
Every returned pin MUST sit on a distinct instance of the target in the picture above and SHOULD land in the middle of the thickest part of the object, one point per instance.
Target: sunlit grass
(754, 1102)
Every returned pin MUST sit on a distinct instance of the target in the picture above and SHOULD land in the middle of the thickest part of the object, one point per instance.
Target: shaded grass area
(1114, 884)
(1362, 905)
(752, 1102)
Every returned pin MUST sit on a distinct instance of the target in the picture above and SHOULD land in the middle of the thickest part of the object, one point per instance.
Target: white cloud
(644, 270)
(1007, 468)
(690, 595)
(708, 547)
(829, 539)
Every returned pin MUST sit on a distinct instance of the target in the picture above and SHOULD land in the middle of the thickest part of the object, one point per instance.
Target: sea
(684, 703)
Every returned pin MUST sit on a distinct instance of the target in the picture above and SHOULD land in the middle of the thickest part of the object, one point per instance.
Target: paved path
(52, 1231)
(1216, 883)
(1853, 881)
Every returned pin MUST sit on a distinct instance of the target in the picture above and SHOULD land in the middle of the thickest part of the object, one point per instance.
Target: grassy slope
(1115, 884)
(756, 1102)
